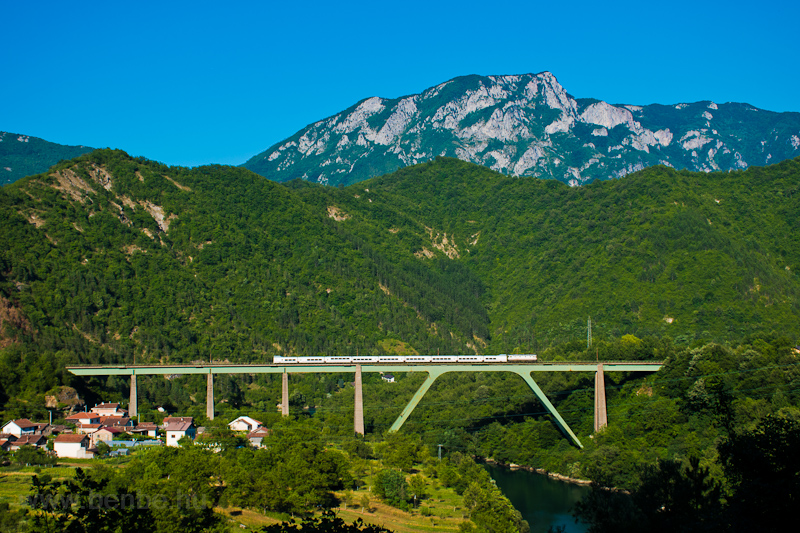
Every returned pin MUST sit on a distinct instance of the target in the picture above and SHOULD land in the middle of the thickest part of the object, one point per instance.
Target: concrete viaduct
(433, 371)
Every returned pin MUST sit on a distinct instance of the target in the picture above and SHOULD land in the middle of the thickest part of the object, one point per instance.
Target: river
(543, 501)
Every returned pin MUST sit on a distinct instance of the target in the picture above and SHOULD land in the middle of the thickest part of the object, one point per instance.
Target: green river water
(543, 502)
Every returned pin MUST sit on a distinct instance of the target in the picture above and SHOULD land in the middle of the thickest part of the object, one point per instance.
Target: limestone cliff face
(528, 125)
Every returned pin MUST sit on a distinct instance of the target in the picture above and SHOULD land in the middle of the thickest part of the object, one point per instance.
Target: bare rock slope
(528, 125)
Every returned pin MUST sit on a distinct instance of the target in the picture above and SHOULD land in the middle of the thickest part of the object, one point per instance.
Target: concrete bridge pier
(285, 394)
(600, 414)
(358, 415)
(210, 397)
(133, 403)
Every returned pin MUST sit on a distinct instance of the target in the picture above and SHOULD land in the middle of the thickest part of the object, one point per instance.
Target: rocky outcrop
(64, 398)
(528, 125)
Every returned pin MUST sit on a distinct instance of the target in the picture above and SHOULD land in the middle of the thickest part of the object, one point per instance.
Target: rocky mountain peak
(528, 125)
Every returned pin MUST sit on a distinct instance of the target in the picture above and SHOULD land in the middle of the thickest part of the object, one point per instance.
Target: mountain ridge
(528, 125)
(24, 155)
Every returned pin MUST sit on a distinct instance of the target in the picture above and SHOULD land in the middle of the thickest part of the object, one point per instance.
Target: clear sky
(190, 83)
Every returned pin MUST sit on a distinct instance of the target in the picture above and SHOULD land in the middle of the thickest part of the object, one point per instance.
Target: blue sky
(190, 83)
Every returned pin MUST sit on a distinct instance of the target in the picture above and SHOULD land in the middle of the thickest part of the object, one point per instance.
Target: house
(39, 441)
(73, 446)
(105, 434)
(145, 428)
(116, 421)
(175, 431)
(56, 429)
(257, 436)
(20, 427)
(109, 409)
(6, 442)
(87, 429)
(176, 419)
(388, 378)
(83, 418)
(41, 428)
(245, 423)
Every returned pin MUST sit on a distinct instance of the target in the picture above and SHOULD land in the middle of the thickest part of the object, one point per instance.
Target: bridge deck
(227, 368)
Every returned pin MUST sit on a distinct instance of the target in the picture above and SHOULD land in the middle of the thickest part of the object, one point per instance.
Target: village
(107, 430)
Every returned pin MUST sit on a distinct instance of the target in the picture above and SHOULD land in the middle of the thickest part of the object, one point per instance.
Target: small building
(245, 423)
(116, 421)
(56, 429)
(109, 409)
(145, 428)
(42, 428)
(106, 434)
(257, 436)
(73, 446)
(388, 378)
(177, 430)
(38, 441)
(176, 419)
(88, 429)
(20, 427)
(83, 418)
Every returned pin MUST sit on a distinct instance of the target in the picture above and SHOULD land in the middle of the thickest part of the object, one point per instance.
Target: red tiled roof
(114, 430)
(179, 426)
(115, 420)
(259, 433)
(172, 419)
(29, 439)
(68, 437)
(79, 416)
(107, 406)
(24, 423)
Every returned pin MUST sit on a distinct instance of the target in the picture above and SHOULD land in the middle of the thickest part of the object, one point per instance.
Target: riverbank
(545, 501)
(542, 471)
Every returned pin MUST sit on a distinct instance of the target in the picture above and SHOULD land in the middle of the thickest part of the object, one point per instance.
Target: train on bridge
(405, 359)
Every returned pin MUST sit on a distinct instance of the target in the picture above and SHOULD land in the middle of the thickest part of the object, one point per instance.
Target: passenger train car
(404, 359)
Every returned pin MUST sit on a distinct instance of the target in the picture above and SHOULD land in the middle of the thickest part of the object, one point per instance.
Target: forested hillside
(23, 155)
(111, 259)
(107, 258)
(662, 252)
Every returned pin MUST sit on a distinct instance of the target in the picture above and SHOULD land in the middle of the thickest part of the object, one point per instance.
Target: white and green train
(404, 359)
